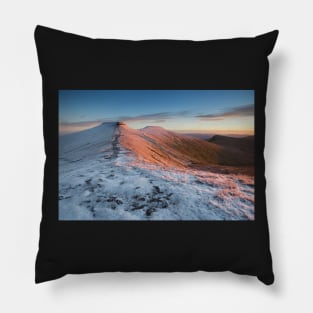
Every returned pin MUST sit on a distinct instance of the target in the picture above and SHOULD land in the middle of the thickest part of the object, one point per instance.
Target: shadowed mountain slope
(239, 150)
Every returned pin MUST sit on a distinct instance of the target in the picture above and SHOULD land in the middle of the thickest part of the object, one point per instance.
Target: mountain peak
(154, 130)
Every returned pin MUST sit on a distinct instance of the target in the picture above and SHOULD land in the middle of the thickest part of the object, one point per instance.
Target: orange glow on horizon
(247, 132)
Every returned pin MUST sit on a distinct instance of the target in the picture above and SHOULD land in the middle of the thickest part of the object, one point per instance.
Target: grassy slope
(238, 151)
(159, 146)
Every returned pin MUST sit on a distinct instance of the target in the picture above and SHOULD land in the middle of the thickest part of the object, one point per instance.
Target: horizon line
(71, 128)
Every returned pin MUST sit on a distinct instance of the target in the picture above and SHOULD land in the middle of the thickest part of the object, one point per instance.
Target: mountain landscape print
(156, 155)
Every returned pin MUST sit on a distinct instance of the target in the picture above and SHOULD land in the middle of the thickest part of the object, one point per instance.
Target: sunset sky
(189, 111)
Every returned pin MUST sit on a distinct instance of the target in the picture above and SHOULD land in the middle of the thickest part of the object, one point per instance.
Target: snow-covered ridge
(114, 172)
(87, 142)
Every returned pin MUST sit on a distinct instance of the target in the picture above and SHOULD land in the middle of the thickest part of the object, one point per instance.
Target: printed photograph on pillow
(156, 155)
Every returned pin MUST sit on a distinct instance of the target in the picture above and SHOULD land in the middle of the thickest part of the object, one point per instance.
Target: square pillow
(154, 155)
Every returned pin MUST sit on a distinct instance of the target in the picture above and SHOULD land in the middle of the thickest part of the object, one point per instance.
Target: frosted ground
(101, 179)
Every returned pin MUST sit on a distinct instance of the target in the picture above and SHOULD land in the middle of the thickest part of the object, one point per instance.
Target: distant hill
(240, 150)
(197, 135)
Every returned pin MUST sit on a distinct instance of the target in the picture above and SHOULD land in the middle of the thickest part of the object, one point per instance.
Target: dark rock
(118, 201)
(150, 211)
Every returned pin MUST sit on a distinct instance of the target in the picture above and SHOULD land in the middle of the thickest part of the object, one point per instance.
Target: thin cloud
(246, 110)
(155, 117)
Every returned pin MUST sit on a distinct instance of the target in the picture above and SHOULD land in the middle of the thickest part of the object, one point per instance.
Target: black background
(72, 62)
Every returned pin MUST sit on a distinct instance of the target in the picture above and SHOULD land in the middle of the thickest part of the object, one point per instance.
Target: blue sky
(211, 111)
